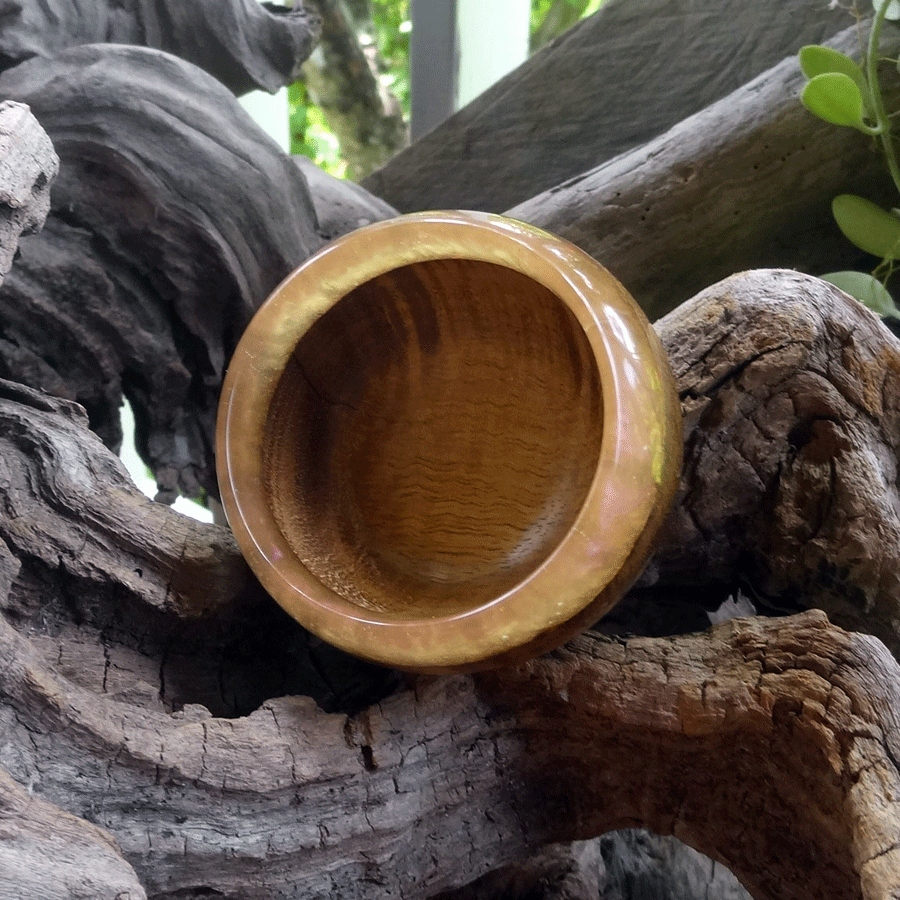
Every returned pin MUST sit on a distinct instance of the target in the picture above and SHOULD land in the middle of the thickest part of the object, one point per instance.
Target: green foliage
(816, 60)
(310, 134)
(388, 35)
(842, 92)
(391, 19)
(836, 98)
(867, 225)
(867, 289)
(549, 18)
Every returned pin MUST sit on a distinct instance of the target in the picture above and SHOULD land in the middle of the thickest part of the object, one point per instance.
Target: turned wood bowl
(446, 442)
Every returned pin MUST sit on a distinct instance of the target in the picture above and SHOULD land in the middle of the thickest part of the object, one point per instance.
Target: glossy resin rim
(631, 489)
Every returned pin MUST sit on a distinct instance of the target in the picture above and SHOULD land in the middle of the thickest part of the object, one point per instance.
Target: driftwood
(203, 745)
(29, 166)
(768, 744)
(340, 206)
(149, 269)
(746, 182)
(620, 865)
(611, 83)
(243, 43)
(791, 396)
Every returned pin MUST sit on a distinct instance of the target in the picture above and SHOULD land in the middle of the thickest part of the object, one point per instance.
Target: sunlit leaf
(867, 289)
(818, 60)
(836, 98)
(867, 225)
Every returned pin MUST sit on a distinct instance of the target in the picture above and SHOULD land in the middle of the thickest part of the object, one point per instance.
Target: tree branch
(611, 83)
(343, 80)
(746, 182)
(173, 218)
(29, 166)
(46, 852)
(767, 744)
(243, 43)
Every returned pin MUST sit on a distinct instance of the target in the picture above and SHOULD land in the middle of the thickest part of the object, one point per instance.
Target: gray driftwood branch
(746, 182)
(770, 745)
(243, 43)
(610, 84)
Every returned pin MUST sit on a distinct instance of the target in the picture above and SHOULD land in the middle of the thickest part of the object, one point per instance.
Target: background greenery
(385, 27)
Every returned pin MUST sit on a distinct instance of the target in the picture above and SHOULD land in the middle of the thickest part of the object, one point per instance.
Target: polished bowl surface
(446, 442)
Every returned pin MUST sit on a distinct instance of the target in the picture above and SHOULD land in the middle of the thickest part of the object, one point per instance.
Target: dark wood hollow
(434, 436)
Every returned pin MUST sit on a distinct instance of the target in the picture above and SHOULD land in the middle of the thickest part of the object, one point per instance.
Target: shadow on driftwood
(201, 744)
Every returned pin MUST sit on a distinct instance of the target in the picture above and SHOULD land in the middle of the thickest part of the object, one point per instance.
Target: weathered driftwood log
(42, 849)
(619, 865)
(48, 853)
(146, 601)
(341, 206)
(172, 218)
(613, 82)
(746, 182)
(791, 397)
(770, 745)
(29, 166)
(243, 43)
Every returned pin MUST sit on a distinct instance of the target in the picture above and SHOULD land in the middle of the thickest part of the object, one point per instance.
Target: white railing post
(459, 48)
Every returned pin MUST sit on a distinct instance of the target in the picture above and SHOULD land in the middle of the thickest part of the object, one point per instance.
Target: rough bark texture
(203, 745)
(159, 246)
(341, 206)
(613, 82)
(770, 745)
(746, 182)
(791, 397)
(243, 43)
(47, 854)
(28, 164)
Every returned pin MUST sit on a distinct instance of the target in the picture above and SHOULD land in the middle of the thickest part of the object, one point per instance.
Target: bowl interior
(433, 437)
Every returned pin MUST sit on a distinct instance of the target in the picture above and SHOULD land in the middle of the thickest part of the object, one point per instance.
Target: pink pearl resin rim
(635, 478)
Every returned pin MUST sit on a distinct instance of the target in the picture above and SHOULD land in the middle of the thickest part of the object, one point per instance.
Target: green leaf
(893, 10)
(867, 225)
(868, 290)
(836, 98)
(818, 60)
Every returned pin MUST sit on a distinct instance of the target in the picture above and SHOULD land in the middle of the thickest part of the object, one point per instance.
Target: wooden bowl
(446, 441)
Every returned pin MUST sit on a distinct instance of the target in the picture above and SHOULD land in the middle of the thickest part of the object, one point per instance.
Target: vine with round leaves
(843, 92)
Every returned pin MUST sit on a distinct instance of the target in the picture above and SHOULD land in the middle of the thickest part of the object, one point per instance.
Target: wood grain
(159, 247)
(244, 44)
(446, 441)
(770, 744)
(613, 82)
(441, 428)
(745, 183)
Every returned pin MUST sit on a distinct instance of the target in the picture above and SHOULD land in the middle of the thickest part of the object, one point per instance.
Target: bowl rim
(574, 580)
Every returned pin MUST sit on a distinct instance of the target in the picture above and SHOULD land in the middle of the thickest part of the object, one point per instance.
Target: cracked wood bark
(770, 745)
(791, 397)
(42, 848)
(29, 163)
(172, 219)
(611, 83)
(746, 182)
(157, 208)
(48, 854)
(243, 43)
